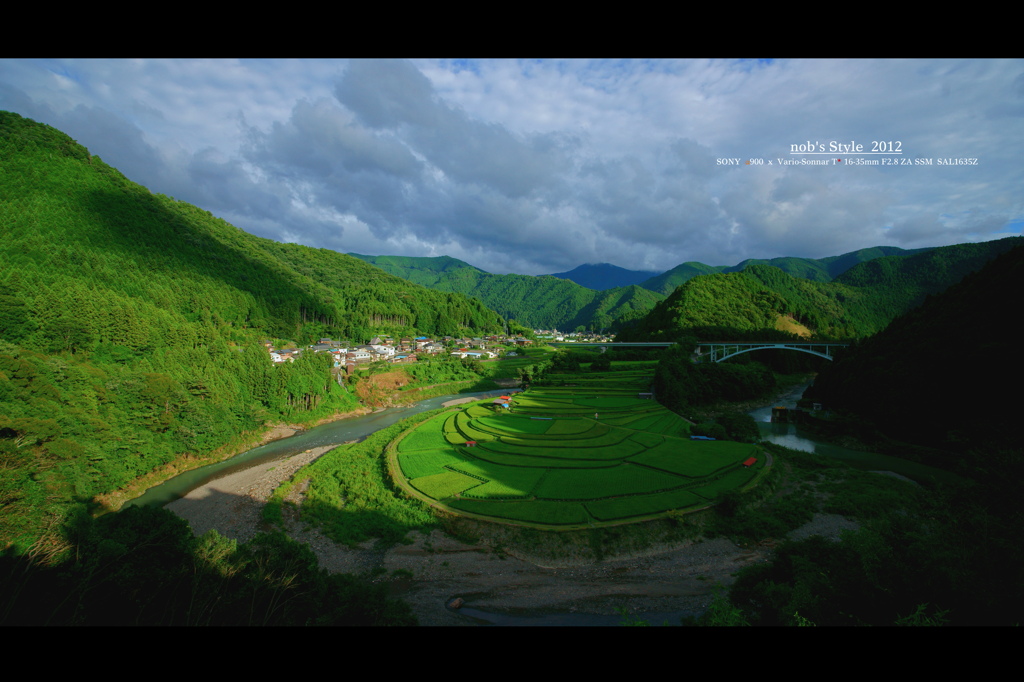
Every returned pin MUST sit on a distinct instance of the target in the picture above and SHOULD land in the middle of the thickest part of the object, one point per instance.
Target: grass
(552, 464)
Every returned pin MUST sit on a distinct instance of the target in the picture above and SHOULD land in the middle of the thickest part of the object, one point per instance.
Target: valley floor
(678, 579)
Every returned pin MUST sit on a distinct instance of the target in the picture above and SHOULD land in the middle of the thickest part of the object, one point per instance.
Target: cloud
(393, 95)
(539, 165)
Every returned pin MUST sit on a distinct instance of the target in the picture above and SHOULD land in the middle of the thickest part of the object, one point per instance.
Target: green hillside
(816, 270)
(858, 303)
(936, 386)
(422, 270)
(542, 302)
(549, 302)
(130, 327)
(922, 375)
(602, 276)
(666, 282)
(759, 298)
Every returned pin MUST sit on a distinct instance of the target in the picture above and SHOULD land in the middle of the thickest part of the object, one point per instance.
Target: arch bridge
(723, 350)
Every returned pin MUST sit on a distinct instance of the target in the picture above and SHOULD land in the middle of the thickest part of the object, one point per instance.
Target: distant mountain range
(814, 269)
(602, 276)
(540, 302)
(859, 302)
(601, 296)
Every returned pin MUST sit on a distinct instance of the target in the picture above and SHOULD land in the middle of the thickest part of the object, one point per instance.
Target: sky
(538, 166)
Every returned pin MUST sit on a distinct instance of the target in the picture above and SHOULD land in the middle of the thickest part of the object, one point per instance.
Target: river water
(345, 430)
(791, 436)
(331, 433)
(356, 428)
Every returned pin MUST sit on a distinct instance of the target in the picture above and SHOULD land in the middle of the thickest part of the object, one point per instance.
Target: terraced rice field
(568, 456)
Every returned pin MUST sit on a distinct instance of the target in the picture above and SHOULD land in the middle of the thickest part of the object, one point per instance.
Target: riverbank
(436, 568)
(784, 386)
(115, 500)
(501, 573)
(233, 504)
(495, 580)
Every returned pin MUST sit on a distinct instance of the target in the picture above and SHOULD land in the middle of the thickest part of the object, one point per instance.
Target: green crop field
(569, 455)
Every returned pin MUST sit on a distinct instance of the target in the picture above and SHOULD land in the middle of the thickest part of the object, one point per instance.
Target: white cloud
(538, 166)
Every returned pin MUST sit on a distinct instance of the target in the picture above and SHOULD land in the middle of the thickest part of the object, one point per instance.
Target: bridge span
(723, 350)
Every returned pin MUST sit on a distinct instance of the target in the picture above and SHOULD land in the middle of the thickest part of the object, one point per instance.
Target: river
(331, 433)
(681, 578)
(791, 436)
(356, 428)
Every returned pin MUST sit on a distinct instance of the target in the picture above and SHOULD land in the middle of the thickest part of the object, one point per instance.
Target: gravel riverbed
(677, 579)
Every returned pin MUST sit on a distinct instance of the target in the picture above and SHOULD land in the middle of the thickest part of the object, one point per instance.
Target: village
(409, 349)
(403, 350)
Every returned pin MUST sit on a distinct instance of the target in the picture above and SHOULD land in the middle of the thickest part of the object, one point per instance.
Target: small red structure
(470, 443)
(749, 462)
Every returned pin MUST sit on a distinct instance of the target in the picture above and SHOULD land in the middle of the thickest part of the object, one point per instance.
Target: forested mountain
(130, 326)
(601, 276)
(426, 271)
(860, 302)
(944, 372)
(548, 301)
(939, 386)
(816, 270)
(667, 282)
(542, 302)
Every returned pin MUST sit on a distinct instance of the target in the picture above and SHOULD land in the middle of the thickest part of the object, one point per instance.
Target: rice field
(585, 451)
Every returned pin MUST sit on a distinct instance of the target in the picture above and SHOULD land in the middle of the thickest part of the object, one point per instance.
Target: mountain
(837, 265)
(944, 373)
(667, 282)
(826, 296)
(938, 386)
(425, 271)
(131, 327)
(539, 302)
(859, 302)
(85, 222)
(815, 270)
(603, 276)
